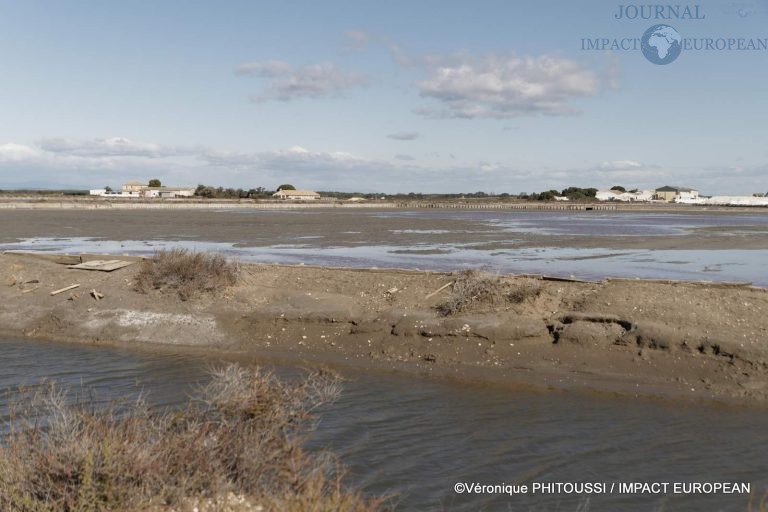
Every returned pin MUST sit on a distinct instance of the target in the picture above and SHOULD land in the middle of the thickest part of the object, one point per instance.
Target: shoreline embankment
(676, 339)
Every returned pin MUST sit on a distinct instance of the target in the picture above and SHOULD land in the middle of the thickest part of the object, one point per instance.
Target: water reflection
(417, 437)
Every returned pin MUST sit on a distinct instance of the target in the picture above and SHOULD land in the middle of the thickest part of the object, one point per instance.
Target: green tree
(155, 183)
(618, 188)
(575, 193)
(286, 186)
(549, 195)
(204, 191)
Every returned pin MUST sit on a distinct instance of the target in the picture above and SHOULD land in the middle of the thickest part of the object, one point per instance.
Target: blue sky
(430, 96)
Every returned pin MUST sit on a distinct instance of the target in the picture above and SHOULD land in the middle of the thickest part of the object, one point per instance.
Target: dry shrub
(471, 287)
(476, 288)
(237, 446)
(522, 289)
(186, 272)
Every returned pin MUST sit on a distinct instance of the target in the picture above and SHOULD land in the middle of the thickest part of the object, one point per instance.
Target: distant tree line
(213, 192)
(572, 193)
(232, 193)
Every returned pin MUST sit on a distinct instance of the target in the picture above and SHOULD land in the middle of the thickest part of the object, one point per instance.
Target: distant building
(137, 189)
(110, 193)
(166, 192)
(561, 198)
(728, 201)
(672, 194)
(606, 195)
(134, 187)
(640, 195)
(300, 195)
(614, 195)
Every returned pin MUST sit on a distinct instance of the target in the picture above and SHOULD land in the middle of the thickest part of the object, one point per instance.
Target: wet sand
(688, 230)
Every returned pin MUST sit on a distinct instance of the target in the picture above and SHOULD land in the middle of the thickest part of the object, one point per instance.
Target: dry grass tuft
(522, 289)
(477, 288)
(472, 287)
(186, 272)
(238, 446)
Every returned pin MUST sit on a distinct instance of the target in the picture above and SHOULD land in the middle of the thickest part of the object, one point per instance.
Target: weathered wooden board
(66, 259)
(102, 265)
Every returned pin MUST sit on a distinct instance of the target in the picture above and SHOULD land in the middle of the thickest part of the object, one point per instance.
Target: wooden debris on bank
(568, 280)
(96, 295)
(446, 285)
(101, 265)
(65, 259)
(62, 290)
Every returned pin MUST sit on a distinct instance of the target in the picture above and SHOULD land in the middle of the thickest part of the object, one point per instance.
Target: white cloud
(330, 170)
(12, 152)
(286, 83)
(504, 86)
(403, 135)
(269, 68)
(73, 163)
(620, 165)
(86, 164)
(356, 39)
(114, 146)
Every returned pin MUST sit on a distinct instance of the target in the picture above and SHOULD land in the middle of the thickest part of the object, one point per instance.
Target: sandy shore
(630, 337)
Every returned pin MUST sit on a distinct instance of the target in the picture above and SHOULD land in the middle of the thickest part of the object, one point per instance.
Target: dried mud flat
(689, 340)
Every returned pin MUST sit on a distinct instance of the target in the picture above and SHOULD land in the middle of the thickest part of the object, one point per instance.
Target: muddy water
(418, 437)
(700, 246)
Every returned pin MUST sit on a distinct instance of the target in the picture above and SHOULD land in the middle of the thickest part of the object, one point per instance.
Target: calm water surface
(417, 437)
(436, 240)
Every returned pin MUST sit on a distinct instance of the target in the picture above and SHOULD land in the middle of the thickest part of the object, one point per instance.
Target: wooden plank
(123, 257)
(70, 287)
(101, 265)
(64, 259)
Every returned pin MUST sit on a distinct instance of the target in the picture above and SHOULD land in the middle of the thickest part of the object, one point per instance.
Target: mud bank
(479, 231)
(689, 340)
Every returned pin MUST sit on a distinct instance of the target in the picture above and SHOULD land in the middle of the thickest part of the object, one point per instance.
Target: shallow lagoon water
(417, 437)
(700, 245)
(593, 223)
(704, 265)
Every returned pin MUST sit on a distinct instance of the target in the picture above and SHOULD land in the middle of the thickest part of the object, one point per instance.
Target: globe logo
(661, 44)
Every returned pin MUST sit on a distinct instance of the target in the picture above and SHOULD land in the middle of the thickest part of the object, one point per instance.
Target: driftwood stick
(71, 287)
(446, 285)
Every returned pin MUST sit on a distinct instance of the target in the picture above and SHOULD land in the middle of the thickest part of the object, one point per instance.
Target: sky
(372, 96)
